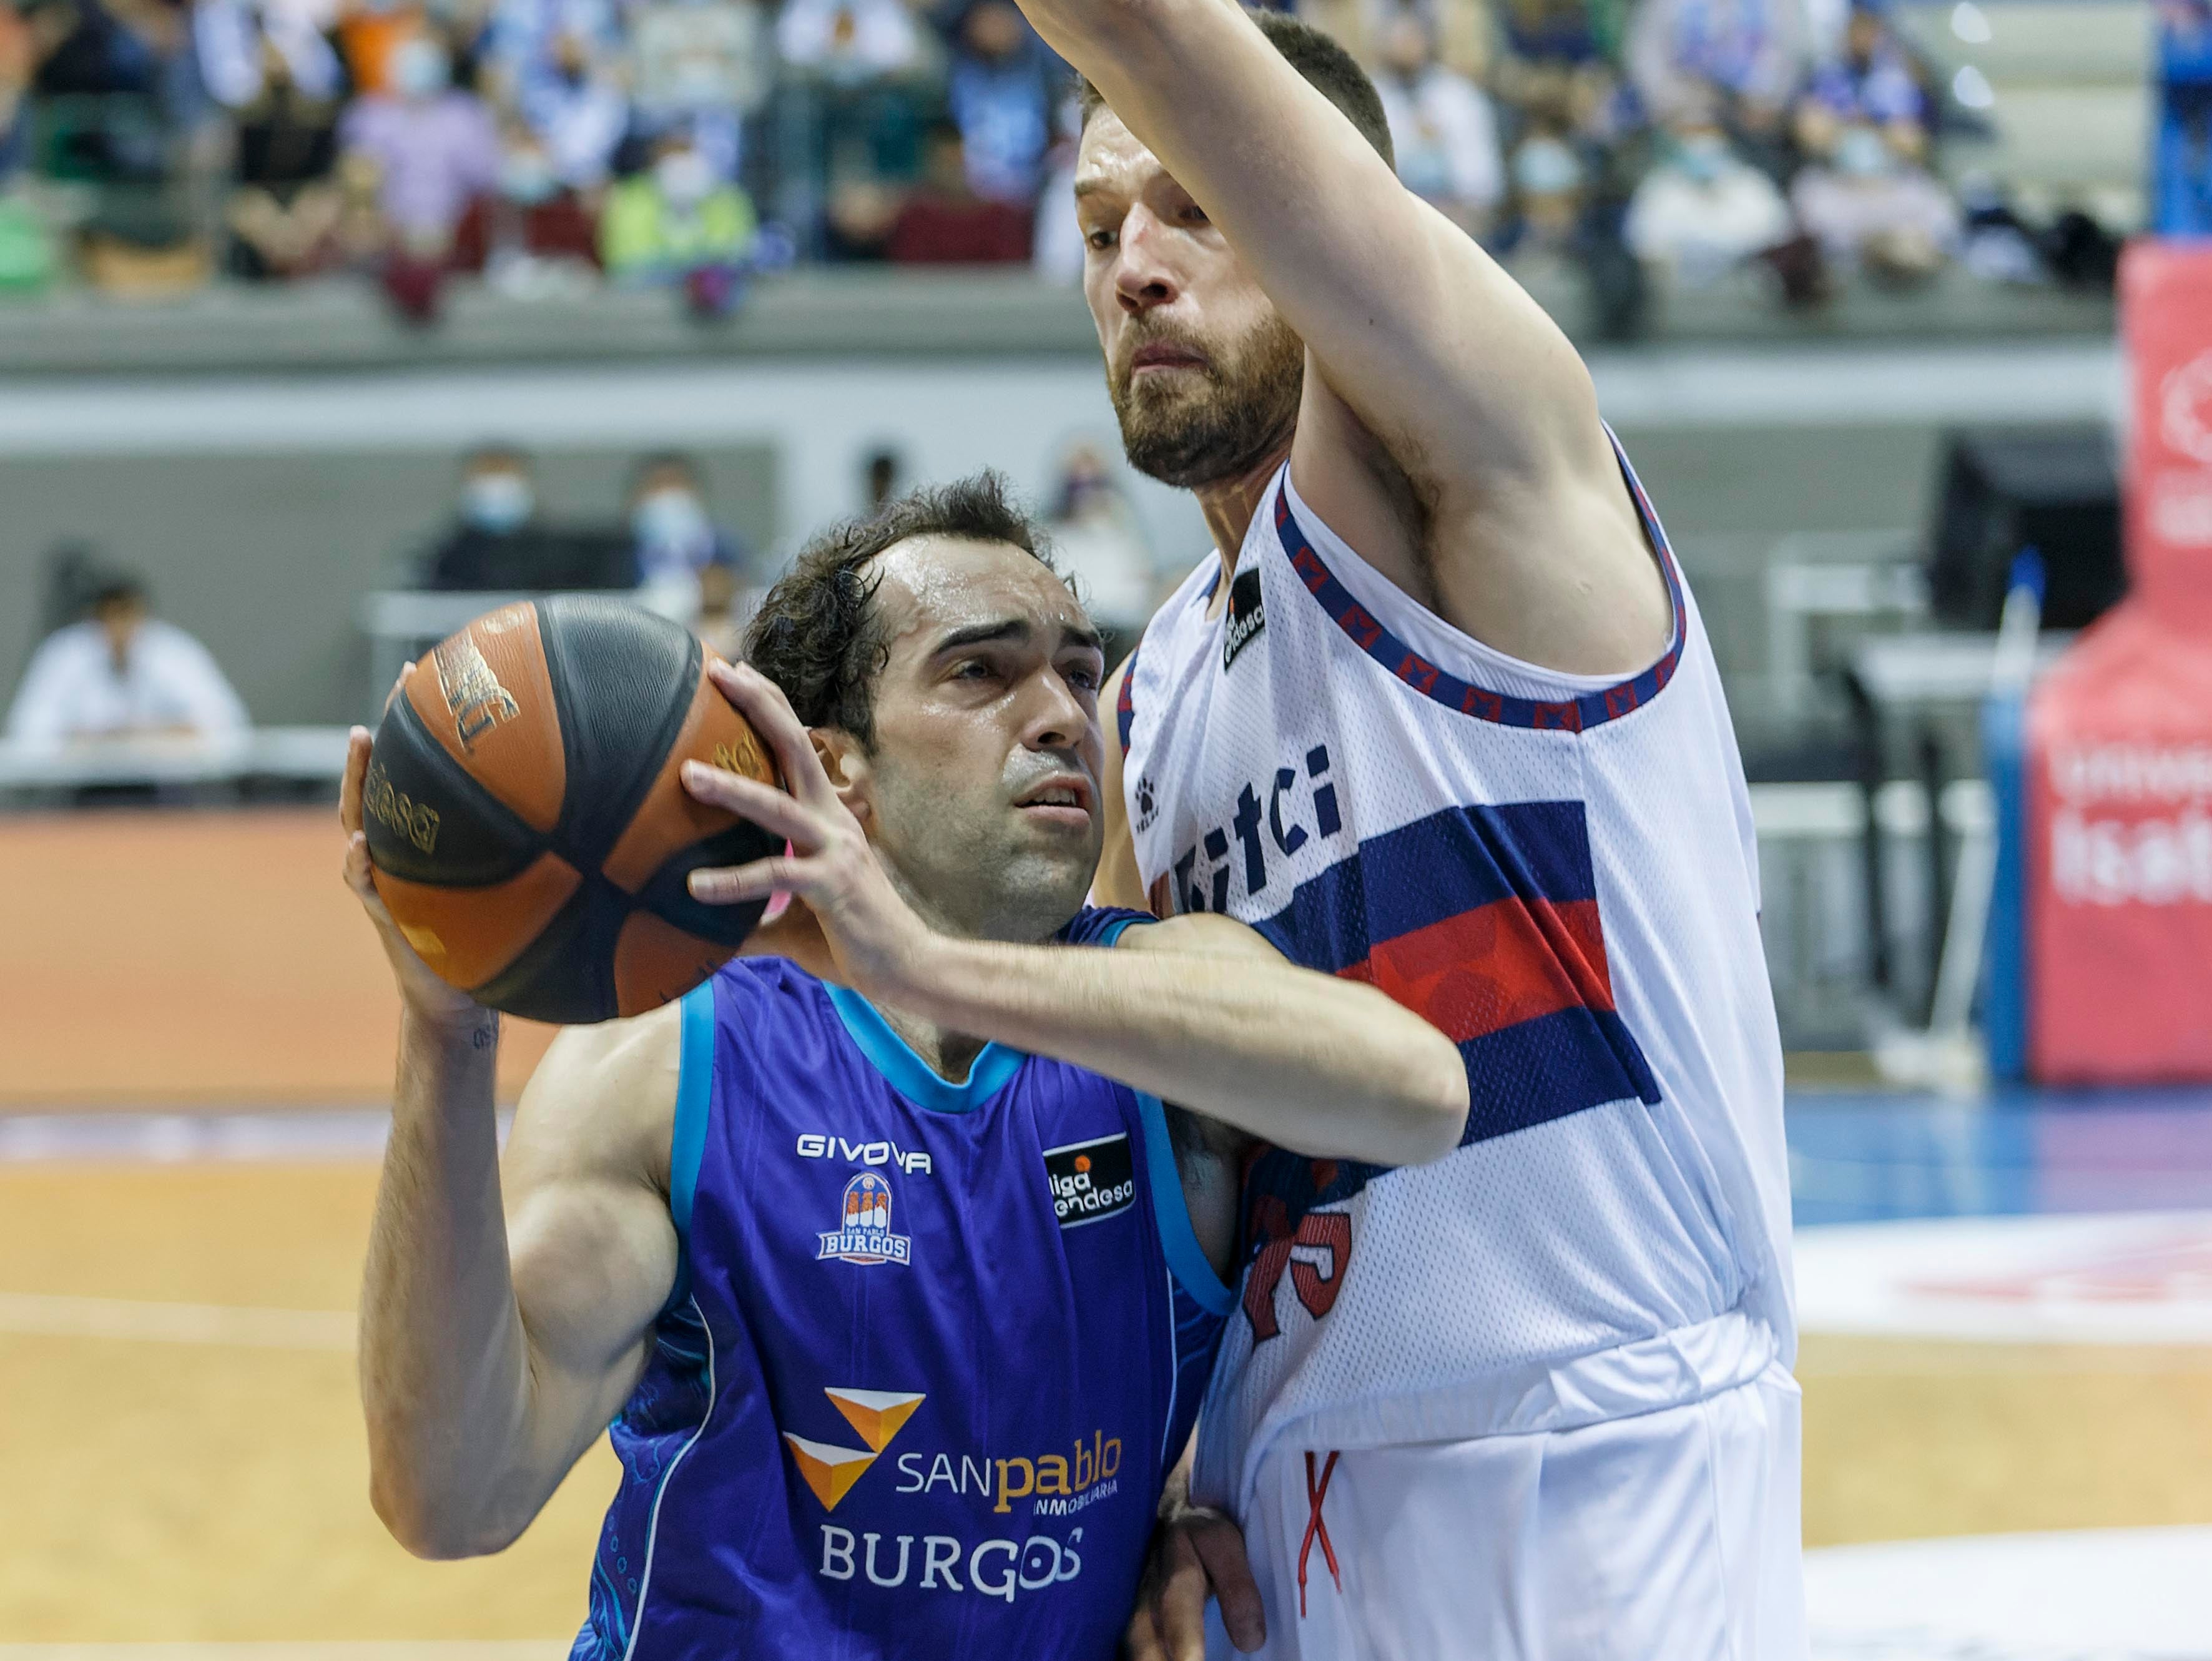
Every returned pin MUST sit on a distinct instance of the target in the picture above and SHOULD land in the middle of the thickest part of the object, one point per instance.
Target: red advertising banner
(2166, 320)
(2119, 866)
(2119, 736)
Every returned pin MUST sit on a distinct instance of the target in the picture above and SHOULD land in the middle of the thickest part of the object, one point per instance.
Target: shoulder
(602, 1101)
(175, 643)
(1204, 934)
(65, 645)
(1102, 925)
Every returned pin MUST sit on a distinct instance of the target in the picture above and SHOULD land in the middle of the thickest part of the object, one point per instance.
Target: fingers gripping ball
(529, 827)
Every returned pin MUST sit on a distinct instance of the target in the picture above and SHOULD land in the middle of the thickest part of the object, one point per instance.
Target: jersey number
(1316, 1279)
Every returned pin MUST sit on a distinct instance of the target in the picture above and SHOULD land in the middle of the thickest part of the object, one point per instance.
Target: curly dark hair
(817, 634)
(1314, 54)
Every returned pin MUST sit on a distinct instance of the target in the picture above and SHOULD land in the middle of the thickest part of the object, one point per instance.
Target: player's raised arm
(1451, 432)
(1200, 1010)
(503, 1322)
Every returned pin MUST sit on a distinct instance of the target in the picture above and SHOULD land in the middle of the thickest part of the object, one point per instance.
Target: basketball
(531, 832)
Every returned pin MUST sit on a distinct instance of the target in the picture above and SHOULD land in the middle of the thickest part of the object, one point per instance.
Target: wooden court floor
(179, 1467)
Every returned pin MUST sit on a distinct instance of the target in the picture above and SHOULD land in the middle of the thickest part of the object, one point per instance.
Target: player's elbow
(1433, 1082)
(435, 1527)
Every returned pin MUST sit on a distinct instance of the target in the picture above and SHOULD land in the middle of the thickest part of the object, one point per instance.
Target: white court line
(37, 1314)
(288, 1136)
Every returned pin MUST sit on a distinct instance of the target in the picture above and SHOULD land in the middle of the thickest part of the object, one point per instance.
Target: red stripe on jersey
(1495, 966)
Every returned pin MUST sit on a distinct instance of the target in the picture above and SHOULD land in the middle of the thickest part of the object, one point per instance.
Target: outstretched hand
(846, 921)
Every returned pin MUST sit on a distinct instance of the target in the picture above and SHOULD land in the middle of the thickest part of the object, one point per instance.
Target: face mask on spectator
(671, 518)
(1546, 166)
(1861, 152)
(525, 176)
(1702, 155)
(684, 177)
(419, 68)
(497, 503)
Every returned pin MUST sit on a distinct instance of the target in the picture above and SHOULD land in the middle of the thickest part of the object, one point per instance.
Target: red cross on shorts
(1316, 1530)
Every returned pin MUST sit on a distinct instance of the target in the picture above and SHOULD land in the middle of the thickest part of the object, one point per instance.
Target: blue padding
(1178, 1240)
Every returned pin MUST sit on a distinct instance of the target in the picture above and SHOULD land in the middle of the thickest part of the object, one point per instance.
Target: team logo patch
(877, 1415)
(1092, 1181)
(1148, 803)
(1247, 616)
(864, 1234)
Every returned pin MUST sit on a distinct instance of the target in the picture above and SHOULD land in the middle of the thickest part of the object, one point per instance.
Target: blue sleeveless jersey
(932, 1352)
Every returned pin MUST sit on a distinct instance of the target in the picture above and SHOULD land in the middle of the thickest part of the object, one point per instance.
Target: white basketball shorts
(1673, 1535)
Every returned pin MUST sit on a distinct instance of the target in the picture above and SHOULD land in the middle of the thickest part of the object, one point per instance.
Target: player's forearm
(444, 1369)
(1326, 1067)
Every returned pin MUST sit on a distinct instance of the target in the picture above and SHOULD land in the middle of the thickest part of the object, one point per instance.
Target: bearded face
(1194, 411)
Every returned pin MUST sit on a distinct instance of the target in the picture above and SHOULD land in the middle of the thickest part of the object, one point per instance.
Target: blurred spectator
(27, 252)
(497, 540)
(706, 64)
(848, 42)
(1702, 210)
(241, 44)
(545, 235)
(1100, 545)
(285, 202)
(1549, 181)
(1743, 60)
(435, 148)
(688, 567)
(529, 46)
(1000, 93)
(945, 222)
(1873, 83)
(369, 35)
(122, 673)
(678, 222)
(1440, 125)
(578, 110)
(1056, 247)
(1872, 209)
(880, 479)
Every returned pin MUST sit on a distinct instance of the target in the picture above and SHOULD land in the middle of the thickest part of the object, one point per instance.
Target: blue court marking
(1862, 1157)
(913, 1077)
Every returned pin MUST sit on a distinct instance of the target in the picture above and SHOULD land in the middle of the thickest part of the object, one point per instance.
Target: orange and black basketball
(530, 830)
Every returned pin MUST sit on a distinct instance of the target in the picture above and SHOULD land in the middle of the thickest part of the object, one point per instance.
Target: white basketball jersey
(1558, 870)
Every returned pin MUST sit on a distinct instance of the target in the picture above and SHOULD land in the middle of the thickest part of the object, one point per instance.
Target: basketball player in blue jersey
(1441, 717)
(899, 1285)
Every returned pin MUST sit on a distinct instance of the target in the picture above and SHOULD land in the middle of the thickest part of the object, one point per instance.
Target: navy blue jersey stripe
(1575, 714)
(1436, 868)
(1536, 1071)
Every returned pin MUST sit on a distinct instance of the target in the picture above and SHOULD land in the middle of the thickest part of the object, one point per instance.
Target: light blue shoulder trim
(913, 1077)
(687, 1146)
(1178, 1240)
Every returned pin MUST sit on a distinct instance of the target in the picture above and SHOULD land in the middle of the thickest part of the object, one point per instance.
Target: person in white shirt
(1704, 210)
(122, 672)
(1442, 126)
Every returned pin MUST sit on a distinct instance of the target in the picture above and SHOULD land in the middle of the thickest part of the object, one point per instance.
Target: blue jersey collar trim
(910, 1075)
(1186, 1258)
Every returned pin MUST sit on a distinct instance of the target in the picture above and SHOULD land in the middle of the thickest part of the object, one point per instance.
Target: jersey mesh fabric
(1559, 872)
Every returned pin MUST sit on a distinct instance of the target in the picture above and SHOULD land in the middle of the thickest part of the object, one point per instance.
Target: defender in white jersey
(1442, 716)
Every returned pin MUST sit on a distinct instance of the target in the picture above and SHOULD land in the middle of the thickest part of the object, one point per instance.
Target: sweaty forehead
(933, 585)
(1112, 160)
